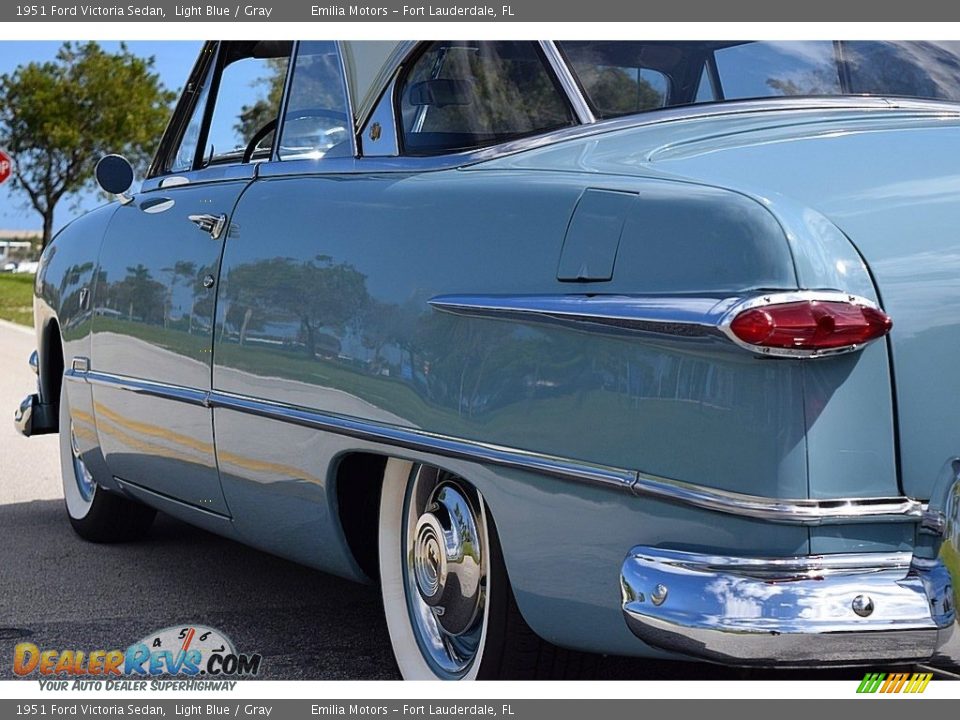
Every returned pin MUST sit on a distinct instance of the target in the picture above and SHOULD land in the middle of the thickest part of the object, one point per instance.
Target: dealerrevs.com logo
(186, 651)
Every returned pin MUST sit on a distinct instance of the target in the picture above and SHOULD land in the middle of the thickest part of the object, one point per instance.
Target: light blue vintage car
(643, 348)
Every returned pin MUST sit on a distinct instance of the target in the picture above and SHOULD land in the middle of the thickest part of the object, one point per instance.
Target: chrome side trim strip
(406, 438)
(787, 510)
(571, 89)
(422, 441)
(141, 387)
(680, 316)
(776, 510)
(684, 316)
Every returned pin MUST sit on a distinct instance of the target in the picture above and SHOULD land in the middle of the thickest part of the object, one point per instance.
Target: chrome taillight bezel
(785, 298)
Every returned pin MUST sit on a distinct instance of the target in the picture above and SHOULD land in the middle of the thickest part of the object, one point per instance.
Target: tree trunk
(47, 229)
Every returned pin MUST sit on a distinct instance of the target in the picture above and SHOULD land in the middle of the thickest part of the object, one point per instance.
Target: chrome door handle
(213, 224)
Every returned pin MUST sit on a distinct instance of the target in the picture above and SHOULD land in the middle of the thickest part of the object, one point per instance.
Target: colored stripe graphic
(871, 682)
(894, 683)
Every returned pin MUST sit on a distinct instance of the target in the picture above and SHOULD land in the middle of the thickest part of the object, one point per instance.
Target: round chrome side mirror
(115, 175)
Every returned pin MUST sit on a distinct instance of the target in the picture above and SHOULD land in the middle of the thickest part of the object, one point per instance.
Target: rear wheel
(447, 599)
(95, 514)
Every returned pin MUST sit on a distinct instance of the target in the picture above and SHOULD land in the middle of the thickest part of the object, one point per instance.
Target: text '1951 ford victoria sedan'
(641, 348)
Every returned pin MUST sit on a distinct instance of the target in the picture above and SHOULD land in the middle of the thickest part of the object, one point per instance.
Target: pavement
(58, 591)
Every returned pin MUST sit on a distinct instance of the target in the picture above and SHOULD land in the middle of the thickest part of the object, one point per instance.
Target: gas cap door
(593, 235)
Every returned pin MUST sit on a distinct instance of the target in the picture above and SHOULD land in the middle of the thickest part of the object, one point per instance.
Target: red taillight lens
(810, 325)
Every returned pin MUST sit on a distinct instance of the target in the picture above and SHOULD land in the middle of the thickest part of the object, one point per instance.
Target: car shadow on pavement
(61, 592)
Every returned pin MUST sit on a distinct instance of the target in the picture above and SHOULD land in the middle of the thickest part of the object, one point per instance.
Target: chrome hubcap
(83, 476)
(446, 578)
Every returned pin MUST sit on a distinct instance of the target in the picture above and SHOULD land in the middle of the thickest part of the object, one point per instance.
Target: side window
(236, 109)
(616, 86)
(248, 101)
(316, 121)
(187, 151)
(769, 69)
(466, 95)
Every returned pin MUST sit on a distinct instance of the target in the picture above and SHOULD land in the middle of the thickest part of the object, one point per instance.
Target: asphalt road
(60, 592)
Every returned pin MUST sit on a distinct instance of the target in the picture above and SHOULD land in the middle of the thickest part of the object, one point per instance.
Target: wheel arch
(358, 481)
(51, 361)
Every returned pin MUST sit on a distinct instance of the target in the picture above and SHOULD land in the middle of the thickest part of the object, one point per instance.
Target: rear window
(622, 78)
(466, 95)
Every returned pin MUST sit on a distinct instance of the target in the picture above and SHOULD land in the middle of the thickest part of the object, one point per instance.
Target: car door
(323, 296)
(155, 293)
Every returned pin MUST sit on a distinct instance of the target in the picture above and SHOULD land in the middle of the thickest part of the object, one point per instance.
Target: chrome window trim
(408, 164)
(284, 102)
(568, 83)
(173, 132)
(348, 95)
(202, 176)
(806, 512)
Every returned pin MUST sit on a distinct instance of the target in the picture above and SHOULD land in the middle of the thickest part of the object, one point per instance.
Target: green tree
(58, 118)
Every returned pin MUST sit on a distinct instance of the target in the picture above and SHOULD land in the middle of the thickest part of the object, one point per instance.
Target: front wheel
(449, 607)
(95, 514)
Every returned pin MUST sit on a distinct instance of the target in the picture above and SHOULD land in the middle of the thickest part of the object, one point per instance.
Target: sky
(174, 60)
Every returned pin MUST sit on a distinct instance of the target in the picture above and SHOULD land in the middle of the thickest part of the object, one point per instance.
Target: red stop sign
(6, 166)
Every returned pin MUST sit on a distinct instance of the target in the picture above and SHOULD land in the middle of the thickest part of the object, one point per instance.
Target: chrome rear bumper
(34, 417)
(841, 609)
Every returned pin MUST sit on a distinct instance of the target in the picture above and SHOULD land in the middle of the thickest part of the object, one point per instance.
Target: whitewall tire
(95, 514)
(449, 607)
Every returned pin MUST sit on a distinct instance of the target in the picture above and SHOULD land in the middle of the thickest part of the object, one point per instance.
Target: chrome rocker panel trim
(837, 609)
(677, 316)
(777, 510)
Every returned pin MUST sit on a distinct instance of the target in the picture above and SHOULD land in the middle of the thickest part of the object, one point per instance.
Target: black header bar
(578, 11)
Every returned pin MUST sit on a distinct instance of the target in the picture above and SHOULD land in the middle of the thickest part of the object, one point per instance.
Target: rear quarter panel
(323, 305)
